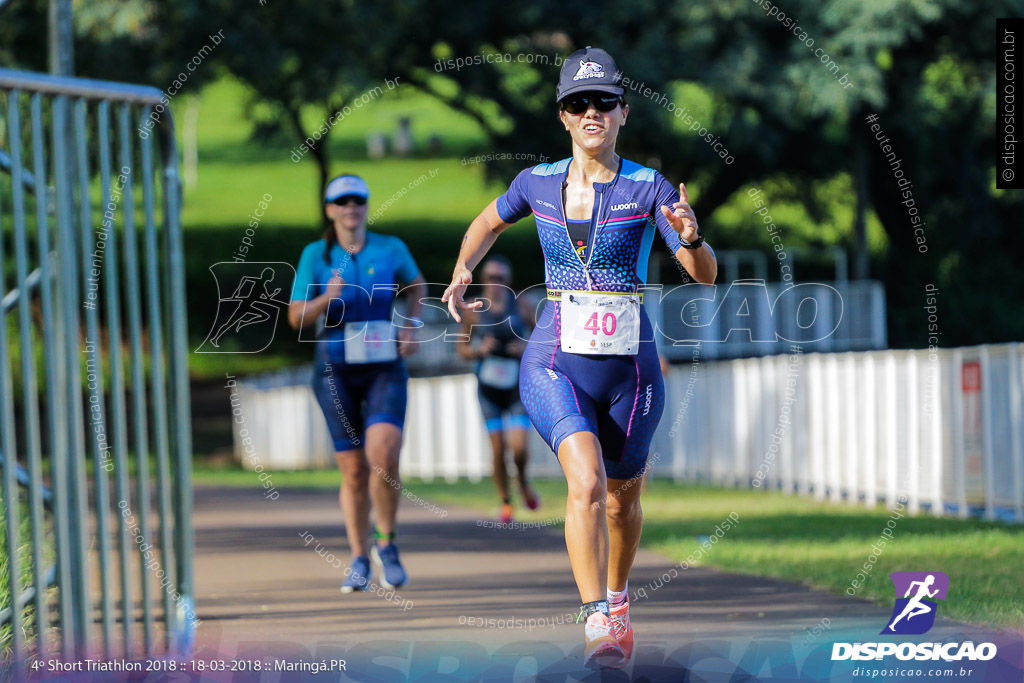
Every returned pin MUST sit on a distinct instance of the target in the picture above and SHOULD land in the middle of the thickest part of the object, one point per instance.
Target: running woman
(351, 277)
(502, 333)
(590, 378)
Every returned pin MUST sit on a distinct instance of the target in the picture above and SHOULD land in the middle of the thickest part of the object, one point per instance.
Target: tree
(750, 78)
(923, 68)
(274, 51)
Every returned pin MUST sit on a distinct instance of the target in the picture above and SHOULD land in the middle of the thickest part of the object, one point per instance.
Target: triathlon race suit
(498, 373)
(358, 377)
(617, 396)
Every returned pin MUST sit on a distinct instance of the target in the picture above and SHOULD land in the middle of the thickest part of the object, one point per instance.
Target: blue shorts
(502, 409)
(618, 398)
(353, 397)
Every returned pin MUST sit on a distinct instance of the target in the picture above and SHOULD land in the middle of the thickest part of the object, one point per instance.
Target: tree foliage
(925, 68)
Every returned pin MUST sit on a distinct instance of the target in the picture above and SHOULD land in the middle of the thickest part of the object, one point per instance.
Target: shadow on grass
(434, 244)
(350, 149)
(817, 527)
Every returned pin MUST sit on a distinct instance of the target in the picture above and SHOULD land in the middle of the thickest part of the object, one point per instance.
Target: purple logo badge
(916, 596)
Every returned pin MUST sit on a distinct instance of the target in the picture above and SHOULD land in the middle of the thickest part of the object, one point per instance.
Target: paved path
(263, 593)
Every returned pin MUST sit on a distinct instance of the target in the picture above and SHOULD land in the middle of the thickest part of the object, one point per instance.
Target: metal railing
(93, 372)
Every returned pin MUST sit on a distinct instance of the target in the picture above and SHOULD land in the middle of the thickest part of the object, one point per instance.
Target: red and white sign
(974, 485)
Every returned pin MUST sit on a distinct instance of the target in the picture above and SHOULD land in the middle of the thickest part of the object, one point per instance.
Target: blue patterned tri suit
(355, 396)
(619, 398)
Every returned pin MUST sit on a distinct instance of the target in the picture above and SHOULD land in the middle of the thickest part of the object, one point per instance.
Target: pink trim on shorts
(636, 400)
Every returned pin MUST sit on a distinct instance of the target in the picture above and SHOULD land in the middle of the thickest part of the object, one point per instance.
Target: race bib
(500, 373)
(600, 324)
(369, 342)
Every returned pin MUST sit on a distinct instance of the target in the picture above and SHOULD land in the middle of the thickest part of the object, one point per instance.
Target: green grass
(224, 131)
(814, 543)
(234, 172)
(25, 576)
(825, 545)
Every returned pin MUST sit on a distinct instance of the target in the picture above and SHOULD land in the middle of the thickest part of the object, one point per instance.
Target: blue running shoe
(392, 573)
(358, 575)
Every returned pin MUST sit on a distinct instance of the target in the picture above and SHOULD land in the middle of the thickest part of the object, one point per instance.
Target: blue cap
(345, 185)
(589, 69)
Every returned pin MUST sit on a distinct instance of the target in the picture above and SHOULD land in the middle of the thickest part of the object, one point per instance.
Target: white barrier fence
(941, 429)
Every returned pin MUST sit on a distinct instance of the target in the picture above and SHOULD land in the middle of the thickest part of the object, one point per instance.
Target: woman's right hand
(488, 345)
(453, 296)
(334, 286)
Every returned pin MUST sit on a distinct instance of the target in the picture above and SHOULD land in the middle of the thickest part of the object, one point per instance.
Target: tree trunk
(861, 264)
(323, 163)
(318, 152)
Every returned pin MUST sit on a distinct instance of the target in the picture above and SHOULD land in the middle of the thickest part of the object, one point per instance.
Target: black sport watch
(696, 244)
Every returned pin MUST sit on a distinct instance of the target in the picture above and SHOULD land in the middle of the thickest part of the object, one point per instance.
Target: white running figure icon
(251, 304)
(915, 606)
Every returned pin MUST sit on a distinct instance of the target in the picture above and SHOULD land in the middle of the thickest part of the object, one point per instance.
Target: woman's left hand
(453, 296)
(407, 344)
(515, 348)
(681, 217)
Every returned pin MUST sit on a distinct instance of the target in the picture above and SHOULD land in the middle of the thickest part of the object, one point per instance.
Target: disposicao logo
(917, 594)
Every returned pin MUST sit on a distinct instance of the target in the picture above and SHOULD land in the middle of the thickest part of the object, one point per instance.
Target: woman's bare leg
(383, 443)
(586, 530)
(500, 471)
(625, 523)
(354, 498)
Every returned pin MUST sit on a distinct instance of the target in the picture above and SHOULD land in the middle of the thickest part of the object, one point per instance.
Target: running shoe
(506, 514)
(358, 576)
(602, 650)
(530, 497)
(622, 629)
(391, 571)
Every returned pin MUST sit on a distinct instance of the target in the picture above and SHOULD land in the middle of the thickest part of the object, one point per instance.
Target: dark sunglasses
(578, 104)
(354, 198)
